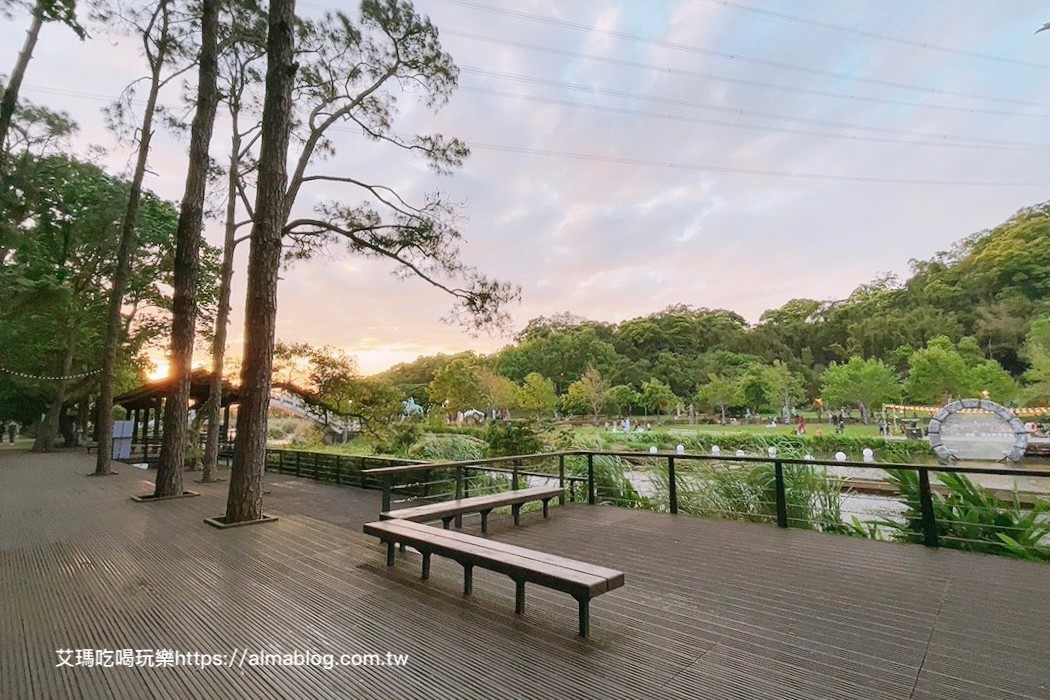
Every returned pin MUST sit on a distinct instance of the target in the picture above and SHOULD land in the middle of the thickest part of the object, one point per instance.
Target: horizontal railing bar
(947, 468)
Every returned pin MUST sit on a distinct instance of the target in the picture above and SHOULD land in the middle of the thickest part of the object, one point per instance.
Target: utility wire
(743, 112)
(734, 81)
(892, 135)
(746, 171)
(783, 16)
(585, 28)
(738, 124)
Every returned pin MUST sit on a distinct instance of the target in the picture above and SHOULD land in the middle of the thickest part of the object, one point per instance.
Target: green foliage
(456, 387)
(587, 394)
(447, 448)
(611, 483)
(943, 371)
(657, 396)
(719, 394)
(749, 493)
(793, 446)
(623, 397)
(1036, 352)
(972, 518)
(537, 394)
(868, 384)
(58, 266)
(507, 438)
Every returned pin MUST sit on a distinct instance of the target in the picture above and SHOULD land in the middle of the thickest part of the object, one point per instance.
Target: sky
(635, 154)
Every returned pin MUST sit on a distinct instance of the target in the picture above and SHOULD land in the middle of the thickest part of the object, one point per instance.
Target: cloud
(612, 240)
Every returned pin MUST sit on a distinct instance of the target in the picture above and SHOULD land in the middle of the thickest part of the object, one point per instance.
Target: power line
(733, 81)
(732, 124)
(871, 35)
(745, 171)
(891, 135)
(746, 112)
(577, 26)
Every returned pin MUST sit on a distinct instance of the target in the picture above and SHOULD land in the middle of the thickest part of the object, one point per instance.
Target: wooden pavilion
(145, 405)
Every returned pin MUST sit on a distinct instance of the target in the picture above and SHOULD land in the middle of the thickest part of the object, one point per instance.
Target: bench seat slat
(474, 503)
(614, 577)
(559, 578)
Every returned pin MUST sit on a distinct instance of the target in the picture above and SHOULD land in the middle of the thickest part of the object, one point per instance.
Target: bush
(513, 437)
(972, 518)
(447, 448)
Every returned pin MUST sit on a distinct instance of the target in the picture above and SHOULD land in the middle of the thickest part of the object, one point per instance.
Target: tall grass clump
(971, 517)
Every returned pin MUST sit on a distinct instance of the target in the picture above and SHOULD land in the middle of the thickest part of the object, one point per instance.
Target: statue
(410, 409)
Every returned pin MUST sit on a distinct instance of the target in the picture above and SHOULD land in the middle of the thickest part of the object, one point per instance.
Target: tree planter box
(149, 498)
(220, 521)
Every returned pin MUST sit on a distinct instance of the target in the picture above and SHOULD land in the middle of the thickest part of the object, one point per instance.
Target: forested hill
(985, 292)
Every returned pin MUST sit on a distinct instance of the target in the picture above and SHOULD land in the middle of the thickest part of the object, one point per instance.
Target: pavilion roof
(148, 394)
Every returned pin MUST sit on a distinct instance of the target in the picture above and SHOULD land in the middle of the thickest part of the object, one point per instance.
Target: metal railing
(421, 481)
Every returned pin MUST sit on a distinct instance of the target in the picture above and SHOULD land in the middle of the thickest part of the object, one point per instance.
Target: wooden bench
(447, 510)
(580, 580)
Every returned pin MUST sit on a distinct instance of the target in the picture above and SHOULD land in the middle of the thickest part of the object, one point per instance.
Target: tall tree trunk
(222, 316)
(45, 436)
(187, 260)
(10, 98)
(114, 336)
(245, 497)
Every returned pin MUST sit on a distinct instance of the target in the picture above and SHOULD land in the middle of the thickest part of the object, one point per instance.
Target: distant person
(819, 432)
(800, 427)
(12, 431)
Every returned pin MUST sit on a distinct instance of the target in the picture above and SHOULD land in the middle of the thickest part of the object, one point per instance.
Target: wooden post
(929, 521)
(338, 470)
(672, 486)
(386, 492)
(298, 463)
(514, 475)
(591, 496)
(782, 512)
(561, 479)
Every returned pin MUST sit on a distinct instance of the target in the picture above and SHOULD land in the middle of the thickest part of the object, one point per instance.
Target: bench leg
(519, 597)
(485, 521)
(468, 579)
(516, 511)
(389, 553)
(585, 616)
(401, 546)
(445, 522)
(546, 508)
(426, 565)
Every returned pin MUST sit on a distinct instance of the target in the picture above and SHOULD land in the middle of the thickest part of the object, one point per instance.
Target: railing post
(338, 469)
(561, 479)
(782, 509)
(466, 482)
(672, 486)
(459, 493)
(591, 498)
(387, 479)
(298, 462)
(280, 462)
(514, 475)
(929, 522)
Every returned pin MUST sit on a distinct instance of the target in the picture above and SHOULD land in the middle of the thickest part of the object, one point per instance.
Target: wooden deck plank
(712, 610)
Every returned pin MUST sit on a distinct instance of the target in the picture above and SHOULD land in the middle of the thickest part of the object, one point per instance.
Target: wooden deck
(711, 609)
